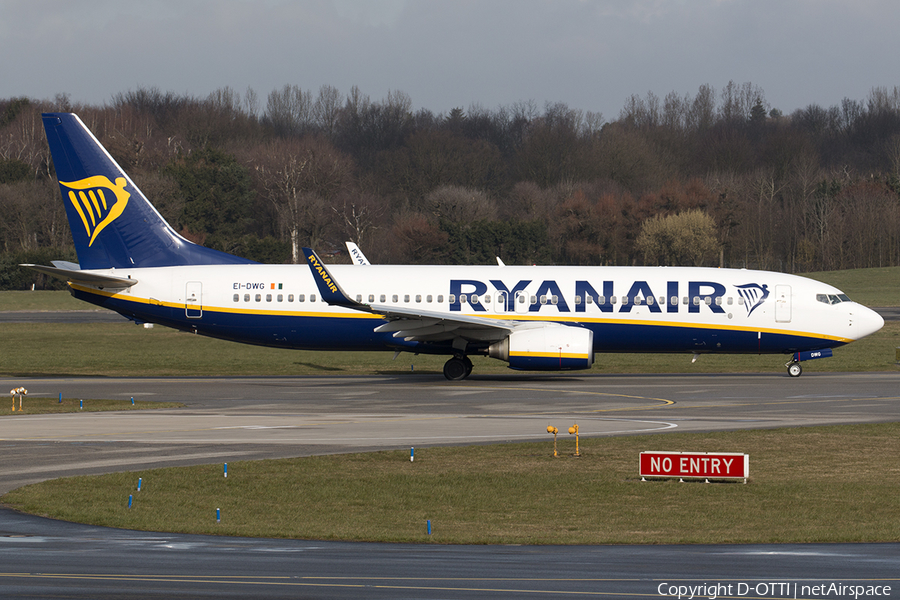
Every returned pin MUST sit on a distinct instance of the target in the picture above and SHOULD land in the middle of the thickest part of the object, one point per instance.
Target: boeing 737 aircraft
(534, 318)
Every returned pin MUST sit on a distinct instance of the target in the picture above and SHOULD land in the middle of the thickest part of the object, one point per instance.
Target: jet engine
(546, 348)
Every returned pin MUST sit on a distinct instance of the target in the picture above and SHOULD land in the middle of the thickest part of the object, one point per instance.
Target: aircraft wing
(83, 277)
(410, 324)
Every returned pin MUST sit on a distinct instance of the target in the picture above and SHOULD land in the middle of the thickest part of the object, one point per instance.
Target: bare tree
(326, 110)
(289, 110)
(300, 178)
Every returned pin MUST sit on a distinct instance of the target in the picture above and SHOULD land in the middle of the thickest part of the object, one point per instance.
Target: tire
(455, 369)
(794, 369)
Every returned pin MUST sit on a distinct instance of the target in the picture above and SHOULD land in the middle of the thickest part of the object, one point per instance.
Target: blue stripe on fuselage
(313, 331)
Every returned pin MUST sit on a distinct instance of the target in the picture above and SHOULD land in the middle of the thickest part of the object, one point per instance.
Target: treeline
(717, 178)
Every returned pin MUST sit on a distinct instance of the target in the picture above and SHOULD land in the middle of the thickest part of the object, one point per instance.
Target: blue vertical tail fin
(112, 222)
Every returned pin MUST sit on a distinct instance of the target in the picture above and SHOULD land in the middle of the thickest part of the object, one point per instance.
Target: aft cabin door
(522, 303)
(782, 304)
(193, 306)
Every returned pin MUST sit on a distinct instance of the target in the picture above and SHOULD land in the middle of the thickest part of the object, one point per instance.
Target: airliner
(535, 318)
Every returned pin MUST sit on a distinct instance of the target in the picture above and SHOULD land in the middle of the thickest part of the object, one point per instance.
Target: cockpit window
(832, 298)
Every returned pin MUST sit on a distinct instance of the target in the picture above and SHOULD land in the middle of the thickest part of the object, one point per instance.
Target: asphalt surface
(247, 418)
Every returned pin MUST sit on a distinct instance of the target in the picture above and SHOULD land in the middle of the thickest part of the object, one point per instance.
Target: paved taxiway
(229, 419)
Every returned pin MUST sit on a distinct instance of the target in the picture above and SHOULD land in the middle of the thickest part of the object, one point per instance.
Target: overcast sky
(589, 54)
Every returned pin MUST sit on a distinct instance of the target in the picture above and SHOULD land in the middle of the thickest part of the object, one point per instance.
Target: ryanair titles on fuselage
(709, 294)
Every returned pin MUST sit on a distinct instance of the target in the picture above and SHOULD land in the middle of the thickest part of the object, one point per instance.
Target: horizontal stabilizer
(83, 277)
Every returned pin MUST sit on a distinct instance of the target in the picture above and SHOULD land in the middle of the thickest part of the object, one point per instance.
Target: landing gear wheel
(794, 369)
(457, 369)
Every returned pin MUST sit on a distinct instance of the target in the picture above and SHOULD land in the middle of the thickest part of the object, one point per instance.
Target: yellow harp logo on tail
(98, 202)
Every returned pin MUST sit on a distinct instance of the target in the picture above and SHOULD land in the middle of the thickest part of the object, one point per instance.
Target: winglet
(329, 289)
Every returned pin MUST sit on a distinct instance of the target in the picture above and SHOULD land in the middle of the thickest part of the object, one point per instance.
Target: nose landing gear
(793, 366)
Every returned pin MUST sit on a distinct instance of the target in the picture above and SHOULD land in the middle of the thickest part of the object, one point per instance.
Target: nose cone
(866, 321)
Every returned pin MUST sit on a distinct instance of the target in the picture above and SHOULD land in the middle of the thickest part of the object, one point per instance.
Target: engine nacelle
(547, 348)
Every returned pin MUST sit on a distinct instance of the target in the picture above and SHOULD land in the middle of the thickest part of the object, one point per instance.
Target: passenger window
(673, 300)
(382, 298)
(741, 301)
(280, 298)
(577, 300)
(452, 299)
(418, 297)
(258, 298)
(730, 300)
(554, 299)
(543, 299)
(406, 297)
(428, 298)
(394, 298)
(246, 297)
(462, 298)
(237, 297)
(312, 297)
(268, 297)
(359, 297)
(440, 298)
(301, 297)
(718, 300)
(290, 297)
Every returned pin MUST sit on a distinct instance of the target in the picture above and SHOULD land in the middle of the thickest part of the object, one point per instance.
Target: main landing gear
(458, 368)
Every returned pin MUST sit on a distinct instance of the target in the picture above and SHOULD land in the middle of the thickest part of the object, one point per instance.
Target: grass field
(123, 349)
(818, 484)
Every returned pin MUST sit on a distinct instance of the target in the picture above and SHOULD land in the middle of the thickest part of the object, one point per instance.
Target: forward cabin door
(782, 304)
(193, 305)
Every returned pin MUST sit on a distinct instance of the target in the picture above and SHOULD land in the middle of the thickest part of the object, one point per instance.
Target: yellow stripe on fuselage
(498, 317)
